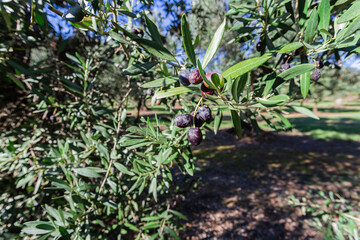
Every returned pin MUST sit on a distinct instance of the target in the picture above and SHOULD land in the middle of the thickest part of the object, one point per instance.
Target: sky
(64, 28)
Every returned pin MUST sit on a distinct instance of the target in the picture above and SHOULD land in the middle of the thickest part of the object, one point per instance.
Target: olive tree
(83, 168)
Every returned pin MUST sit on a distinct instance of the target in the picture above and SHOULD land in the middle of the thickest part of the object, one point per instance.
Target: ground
(245, 185)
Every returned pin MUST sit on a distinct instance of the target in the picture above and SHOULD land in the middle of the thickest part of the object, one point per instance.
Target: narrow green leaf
(305, 83)
(217, 121)
(274, 101)
(87, 172)
(172, 233)
(6, 17)
(156, 49)
(139, 145)
(196, 42)
(53, 212)
(44, 237)
(162, 82)
(73, 59)
(269, 82)
(351, 13)
(135, 185)
(305, 111)
(15, 80)
(238, 86)
(127, 13)
(154, 32)
(34, 231)
(236, 122)
(103, 150)
(64, 234)
(123, 169)
(244, 67)
(22, 69)
(80, 59)
(325, 32)
(296, 71)
(302, 10)
(139, 68)
(131, 142)
(153, 188)
(348, 42)
(151, 218)
(187, 42)
(324, 15)
(311, 27)
(203, 76)
(118, 37)
(151, 225)
(131, 226)
(353, 27)
(290, 47)
(214, 44)
(39, 18)
(45, 226)
(216, 81)
(180, 215)
(72, 86)
(173, 92)
(284, 120)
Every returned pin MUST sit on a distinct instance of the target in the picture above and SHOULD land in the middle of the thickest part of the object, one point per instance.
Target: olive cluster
(186, 78)
(287, 58)
(315, 75)
(197, 119)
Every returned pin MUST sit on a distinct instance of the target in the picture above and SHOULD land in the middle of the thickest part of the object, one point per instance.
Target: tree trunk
(138, 108)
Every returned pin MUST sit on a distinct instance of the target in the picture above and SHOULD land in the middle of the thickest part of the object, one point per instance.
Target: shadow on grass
(337, 110)
(246, 184)
(329, 128)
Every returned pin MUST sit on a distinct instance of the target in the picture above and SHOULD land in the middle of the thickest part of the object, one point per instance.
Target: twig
(116, 139)
(259, 7)
(164, 221)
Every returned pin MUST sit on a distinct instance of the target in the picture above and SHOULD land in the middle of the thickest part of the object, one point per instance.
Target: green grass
(344, 126)
(331, 127)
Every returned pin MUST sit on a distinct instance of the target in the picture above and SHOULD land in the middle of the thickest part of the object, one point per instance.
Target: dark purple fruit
(195, 136)
(158, 102)
(183, 120)
(204, 113)
(260, 46)
(149, 92)
(184, 77)
(315, 75)
(198, 122)
(284, 67)
(74, 14)
(138, 32)
(206, 91)
(195, 77)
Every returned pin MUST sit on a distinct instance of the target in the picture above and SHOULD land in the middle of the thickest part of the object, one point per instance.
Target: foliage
(331, 214)
(82, 164)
